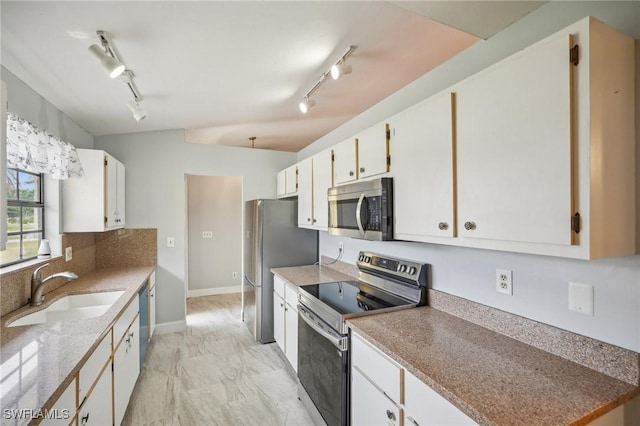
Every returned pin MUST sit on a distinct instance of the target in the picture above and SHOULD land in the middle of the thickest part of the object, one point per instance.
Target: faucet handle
(36, 273)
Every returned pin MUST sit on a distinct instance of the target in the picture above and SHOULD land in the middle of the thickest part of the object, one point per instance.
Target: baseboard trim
(213, 291)
(170, 327)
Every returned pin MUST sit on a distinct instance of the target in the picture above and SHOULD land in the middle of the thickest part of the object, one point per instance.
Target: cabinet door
(305, 193)
(422, 148)
(514, 145)
(91, 369)
(281, 189)
(424, 406)
(278, 321)
(64, 408)
(96, 409)
(111, 191)
(369, 406)
(321, 183)
(120, 195)
(345, 160)
(126, 367)
(291, 181)
(373, 151)
(152, 304)
(291, 334)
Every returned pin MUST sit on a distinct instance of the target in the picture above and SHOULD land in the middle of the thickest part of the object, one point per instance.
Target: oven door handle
(338, 342)
(359, 213)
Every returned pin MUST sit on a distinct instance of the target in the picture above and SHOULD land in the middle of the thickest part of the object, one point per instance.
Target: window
(25, 216)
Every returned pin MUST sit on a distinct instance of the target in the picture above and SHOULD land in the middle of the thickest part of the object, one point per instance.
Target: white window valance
(35, 150)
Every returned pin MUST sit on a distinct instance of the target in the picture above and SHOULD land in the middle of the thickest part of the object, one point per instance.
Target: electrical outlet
(504, 281)
(207, 234)
(341, 246)
(581, 298)
(68, 254)
(234, 275)
(171, 242)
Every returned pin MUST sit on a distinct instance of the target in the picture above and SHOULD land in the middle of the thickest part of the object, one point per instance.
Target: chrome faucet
(37, 283)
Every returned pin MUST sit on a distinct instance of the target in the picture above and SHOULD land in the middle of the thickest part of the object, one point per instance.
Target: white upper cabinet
(422, 149)
(291, 180)
(514, 145)
(314, 179)
(305, 193)
(94, 202)
(345, 161)
(321, 183)
(363, 156)
(373, 151)
(281, 178)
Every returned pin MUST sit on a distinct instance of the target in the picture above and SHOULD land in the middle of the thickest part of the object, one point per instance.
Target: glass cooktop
(352, 297)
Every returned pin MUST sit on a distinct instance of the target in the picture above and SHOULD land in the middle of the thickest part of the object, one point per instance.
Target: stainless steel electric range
(383, 284)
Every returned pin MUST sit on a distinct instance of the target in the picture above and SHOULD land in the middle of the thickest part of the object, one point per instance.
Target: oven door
(323, 367)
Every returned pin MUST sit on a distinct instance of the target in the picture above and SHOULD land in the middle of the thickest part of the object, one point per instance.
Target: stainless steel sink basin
(72, 307)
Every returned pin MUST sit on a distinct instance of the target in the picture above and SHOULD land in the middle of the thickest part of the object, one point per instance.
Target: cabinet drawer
(369, 406)
(92, 368)
(424, 406)
(278, 285)
(125, 320)
(377, 367)
(291, 295)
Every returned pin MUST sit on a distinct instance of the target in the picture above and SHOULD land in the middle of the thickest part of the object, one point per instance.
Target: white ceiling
(225, 71)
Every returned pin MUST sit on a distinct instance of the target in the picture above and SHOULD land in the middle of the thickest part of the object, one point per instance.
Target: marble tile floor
(214, 373)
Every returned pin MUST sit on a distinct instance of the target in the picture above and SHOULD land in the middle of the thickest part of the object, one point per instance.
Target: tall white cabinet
(314, 179)
(95, 202)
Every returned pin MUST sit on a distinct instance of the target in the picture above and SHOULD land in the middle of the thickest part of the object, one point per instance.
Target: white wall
(540, 283)
(214, 204)
(31, 106)
(156, 164)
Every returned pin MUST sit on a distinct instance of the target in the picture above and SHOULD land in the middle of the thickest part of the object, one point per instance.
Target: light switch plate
(581, 298)
(171, 242)
(207, 234)
(68, 254)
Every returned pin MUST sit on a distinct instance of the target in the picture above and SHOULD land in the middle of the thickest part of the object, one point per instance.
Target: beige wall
(214, 204)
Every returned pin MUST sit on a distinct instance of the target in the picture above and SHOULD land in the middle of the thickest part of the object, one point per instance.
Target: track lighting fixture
(340, 69)
(336, 71)
(306, 105)
(114, 67)
(111, 64)
(138, 112)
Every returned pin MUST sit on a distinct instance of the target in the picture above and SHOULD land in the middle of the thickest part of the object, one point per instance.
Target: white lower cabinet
(96, 409)
(369, 405)
(383, 393)
(285, 319)
(126, 367)
(64, 409)
(424, 406)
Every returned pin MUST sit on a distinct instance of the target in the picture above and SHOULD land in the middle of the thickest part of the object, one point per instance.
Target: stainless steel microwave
(362, 210)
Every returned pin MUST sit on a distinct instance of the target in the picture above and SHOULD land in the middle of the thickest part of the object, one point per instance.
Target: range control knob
(402, 268)
(361, 258)
(412, 270)
(367, 259)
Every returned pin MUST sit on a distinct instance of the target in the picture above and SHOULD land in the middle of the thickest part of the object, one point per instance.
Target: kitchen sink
(71, 307)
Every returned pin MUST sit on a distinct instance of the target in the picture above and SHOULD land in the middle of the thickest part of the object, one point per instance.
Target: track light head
(340, 69)
(138, 112)
(306, 105)
(111, 66)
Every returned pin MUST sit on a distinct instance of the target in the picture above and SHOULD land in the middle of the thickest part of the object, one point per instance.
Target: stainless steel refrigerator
(272, 239)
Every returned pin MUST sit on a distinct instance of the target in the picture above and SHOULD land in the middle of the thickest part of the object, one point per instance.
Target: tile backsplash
(123, 247)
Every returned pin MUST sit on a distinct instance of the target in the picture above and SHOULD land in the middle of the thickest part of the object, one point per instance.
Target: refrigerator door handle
(251, 282)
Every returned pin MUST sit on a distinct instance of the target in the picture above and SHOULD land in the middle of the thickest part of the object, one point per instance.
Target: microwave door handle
(358, 213)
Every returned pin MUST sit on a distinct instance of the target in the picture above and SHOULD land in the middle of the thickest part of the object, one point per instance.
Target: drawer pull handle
(391, 415)
(350, 173)
(85, 419)
(469, 226)
(443, 226)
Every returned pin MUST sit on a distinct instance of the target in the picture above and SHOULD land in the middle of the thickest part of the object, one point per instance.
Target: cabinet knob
(282, 305)
(361, 169)
(308, 219)
(314, 220)
(85, 419)
(351, 173)
(391, 415)
(469, 226)
(443, 226)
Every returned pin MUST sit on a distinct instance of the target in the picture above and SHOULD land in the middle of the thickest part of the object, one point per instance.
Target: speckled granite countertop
(312, 274)
(494, 379)
(37, 362)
